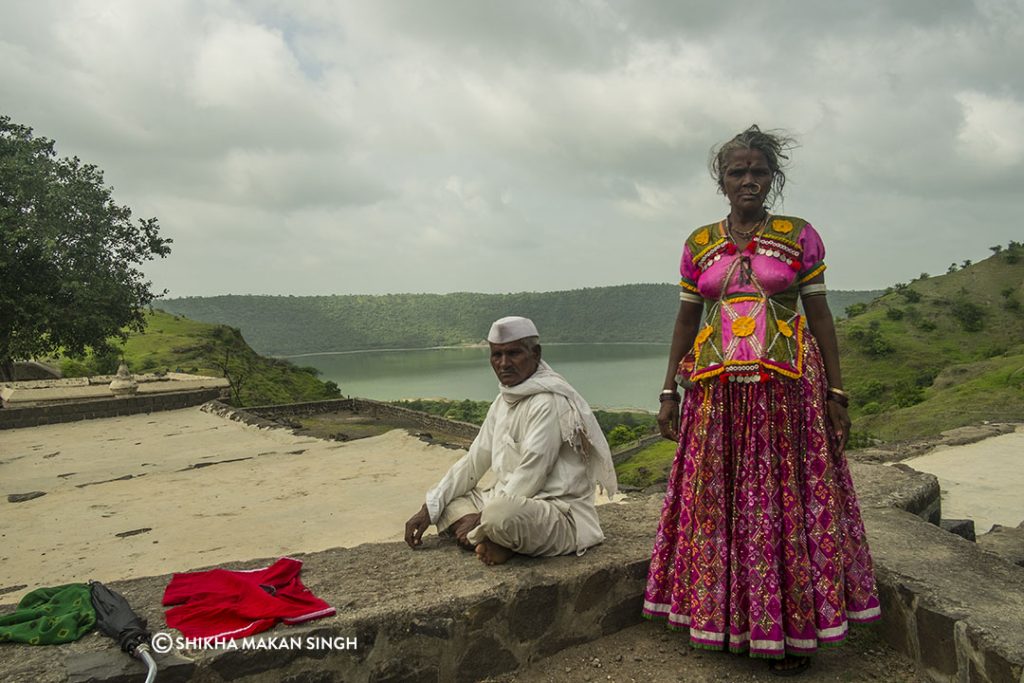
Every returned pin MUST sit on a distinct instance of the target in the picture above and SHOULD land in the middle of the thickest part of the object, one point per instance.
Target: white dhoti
(530, 526)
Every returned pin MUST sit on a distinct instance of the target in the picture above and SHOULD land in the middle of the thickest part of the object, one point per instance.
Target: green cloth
(48, 616)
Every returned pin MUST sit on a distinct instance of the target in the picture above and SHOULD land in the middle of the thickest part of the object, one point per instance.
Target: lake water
(608, 375)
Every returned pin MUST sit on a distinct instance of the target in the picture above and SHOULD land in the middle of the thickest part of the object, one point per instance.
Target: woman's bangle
(838, 396)
(669, 395)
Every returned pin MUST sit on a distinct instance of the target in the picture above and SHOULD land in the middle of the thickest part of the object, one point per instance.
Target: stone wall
(377, 409)
(11, 418)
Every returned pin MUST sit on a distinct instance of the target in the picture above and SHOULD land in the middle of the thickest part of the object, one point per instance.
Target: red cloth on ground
(220, 603)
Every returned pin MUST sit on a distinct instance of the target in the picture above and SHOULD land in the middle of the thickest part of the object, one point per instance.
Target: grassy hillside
(940, 352)
(173, 343)
(626, 313)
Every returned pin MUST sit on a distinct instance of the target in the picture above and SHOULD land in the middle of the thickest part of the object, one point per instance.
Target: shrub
(870, 341)
(72, 367)
(911, 295)
(860, 440)
(906, 394)
(970, 315)
(869, 392)
(894, 313)
(995, 350)
(853, 310)
(872, 408)
(622, 434)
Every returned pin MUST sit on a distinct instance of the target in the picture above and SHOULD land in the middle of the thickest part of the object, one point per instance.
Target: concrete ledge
(956, 610)
(440, 615)
(436, 614)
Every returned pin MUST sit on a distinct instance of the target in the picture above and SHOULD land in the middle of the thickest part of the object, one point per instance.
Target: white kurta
(522, 444)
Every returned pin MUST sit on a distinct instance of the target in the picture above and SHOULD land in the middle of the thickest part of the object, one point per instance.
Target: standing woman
(761, 547)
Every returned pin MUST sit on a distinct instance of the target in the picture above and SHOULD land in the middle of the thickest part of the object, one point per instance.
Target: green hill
(940, 352)
(173, 343)
(290, 325)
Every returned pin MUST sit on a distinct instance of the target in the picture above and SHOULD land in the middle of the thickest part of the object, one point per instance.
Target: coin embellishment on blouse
(743, 326)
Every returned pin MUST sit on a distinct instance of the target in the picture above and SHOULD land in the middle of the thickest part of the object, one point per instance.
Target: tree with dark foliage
(69, 256)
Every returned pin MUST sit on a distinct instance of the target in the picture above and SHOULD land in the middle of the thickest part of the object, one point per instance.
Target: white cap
(511, 329)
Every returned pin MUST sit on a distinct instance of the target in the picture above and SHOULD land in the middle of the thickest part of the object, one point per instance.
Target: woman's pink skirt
(761, 545)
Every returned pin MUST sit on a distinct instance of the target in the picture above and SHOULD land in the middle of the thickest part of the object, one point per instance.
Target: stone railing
(32, 416)
(264, 415)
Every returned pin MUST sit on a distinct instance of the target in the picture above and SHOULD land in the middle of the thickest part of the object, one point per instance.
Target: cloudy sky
(322, 146)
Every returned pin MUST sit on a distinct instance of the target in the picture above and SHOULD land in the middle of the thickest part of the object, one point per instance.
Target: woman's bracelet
(838, 396)
(669, 395)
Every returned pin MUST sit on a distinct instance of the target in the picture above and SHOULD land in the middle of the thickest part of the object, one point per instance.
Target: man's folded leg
(528, 526)
(469, 504)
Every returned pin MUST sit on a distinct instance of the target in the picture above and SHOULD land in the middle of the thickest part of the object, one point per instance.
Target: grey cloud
(319, 147)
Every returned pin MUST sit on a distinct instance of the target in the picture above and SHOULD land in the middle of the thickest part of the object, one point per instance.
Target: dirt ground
(649, 653)
(145, 495)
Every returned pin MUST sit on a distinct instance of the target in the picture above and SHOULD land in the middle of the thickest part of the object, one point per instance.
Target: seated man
(546, 449)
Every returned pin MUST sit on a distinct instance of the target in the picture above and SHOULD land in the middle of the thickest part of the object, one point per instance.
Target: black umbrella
(115, 618)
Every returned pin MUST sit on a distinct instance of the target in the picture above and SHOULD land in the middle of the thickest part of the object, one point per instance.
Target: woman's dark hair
(774, 144)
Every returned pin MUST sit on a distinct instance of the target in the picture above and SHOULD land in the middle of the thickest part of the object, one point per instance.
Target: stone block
(1006, 542)
(432, 627)
(964, 528)
(896, 627)
(484, 657)
(481, 613)
(402, 671)
(312, 677)
(626, 613)
(113, 666)
(234, 664)
(532, 612)
(549, 646)
(595, 589)
(638, 569)
(936, 627)
(999, 670)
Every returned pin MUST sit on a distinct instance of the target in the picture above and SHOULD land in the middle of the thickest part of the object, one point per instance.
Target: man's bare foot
(491, 553)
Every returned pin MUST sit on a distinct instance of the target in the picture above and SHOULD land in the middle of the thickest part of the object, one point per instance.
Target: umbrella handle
(142, 652)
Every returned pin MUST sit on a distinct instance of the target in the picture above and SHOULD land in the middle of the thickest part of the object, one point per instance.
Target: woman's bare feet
(491, 553)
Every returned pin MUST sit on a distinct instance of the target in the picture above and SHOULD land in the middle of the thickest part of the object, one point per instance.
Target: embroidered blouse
(751, 327)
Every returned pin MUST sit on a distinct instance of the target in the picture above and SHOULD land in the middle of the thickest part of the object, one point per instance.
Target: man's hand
(416, 527)
(463, 526)
(840, 422)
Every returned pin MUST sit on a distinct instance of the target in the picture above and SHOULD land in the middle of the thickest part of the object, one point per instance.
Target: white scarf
(580, 428)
